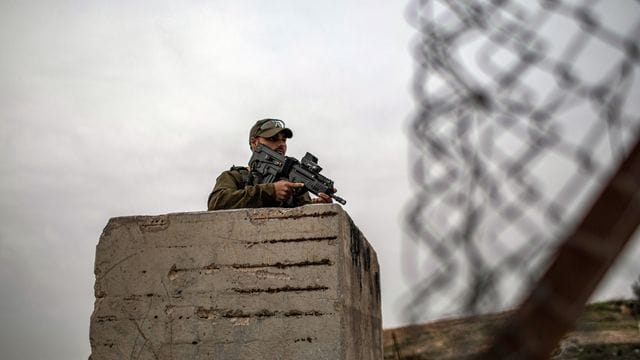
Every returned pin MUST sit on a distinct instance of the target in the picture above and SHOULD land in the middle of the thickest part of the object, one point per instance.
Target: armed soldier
(240, 187)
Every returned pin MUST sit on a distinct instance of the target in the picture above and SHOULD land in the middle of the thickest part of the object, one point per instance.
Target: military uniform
(239, 188)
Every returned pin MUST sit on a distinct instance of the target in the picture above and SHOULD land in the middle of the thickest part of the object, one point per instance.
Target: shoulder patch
(242, 176)
(239, 168)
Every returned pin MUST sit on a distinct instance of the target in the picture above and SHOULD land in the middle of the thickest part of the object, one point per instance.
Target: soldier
(237, 188)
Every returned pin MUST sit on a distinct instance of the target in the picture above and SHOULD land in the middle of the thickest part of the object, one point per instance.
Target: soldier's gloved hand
(285, 189)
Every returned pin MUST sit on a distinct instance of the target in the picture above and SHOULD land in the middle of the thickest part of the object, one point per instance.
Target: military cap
(269, 127)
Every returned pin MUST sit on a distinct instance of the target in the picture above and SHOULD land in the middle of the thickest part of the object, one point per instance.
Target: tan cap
(269, 127)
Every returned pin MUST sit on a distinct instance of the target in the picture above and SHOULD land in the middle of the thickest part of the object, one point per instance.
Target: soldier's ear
(253, 142)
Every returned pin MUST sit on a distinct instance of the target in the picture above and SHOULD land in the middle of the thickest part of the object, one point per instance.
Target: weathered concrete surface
(298, 283)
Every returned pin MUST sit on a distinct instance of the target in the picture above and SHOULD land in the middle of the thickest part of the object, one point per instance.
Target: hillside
(607, 330)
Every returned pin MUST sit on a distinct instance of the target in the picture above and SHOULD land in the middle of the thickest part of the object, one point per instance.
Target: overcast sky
(114, 108)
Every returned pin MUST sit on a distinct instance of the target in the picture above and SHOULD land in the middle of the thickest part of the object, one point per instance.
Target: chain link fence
(524, 109)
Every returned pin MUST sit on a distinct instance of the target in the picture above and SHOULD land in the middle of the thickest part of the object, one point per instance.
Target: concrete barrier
(299, 283)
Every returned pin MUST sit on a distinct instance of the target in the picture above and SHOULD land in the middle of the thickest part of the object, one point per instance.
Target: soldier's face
(277, 143)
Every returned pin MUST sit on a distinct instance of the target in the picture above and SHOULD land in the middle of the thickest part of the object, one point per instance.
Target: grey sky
(130, 107)
(123, 108)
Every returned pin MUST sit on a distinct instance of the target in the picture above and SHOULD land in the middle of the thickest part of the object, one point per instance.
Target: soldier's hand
(323, 198)
(285, 189)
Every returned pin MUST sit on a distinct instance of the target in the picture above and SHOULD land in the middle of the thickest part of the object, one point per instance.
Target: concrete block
(299, 283)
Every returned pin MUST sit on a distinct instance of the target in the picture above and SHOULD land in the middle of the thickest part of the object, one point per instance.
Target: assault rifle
(273, 166)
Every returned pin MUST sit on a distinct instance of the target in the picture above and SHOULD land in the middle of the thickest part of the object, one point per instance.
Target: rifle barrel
(339, 199)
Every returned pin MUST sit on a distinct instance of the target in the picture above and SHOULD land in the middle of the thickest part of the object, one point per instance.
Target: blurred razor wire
(524, 108)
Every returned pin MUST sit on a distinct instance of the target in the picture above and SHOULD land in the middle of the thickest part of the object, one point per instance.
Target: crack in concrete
(281, 289)
(282, 265)
(212, 313)
(295, 240)
(296, 216)
(140, 333)
(116, 264)
(174, 271)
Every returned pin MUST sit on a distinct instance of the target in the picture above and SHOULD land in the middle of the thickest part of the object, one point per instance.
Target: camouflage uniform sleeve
(302, 199)
(228, 193)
